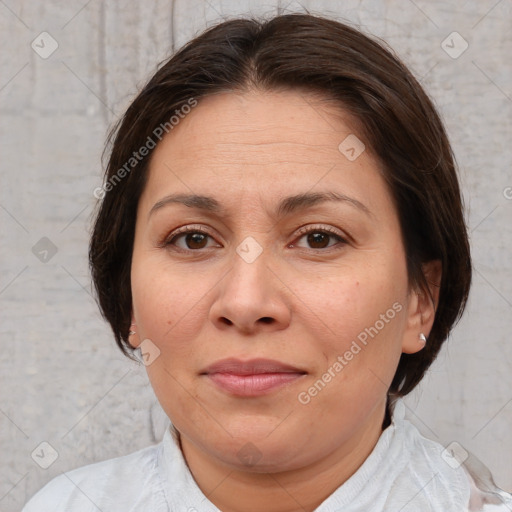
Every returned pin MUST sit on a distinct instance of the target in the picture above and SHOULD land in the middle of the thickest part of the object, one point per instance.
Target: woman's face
(276, 324)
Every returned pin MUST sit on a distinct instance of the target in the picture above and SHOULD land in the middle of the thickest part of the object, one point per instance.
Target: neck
(233, 490)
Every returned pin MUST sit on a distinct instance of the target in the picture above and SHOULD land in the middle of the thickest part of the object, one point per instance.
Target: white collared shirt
(405, 472)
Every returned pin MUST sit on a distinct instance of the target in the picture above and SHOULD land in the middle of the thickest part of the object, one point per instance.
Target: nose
(251, 297)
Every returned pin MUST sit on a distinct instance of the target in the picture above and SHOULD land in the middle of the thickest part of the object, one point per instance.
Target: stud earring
(423, 338)
(131, 333)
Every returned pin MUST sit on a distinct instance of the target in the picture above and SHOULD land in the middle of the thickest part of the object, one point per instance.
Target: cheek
(166, 301)
(355, 299)
(168, 304)
(359, 329)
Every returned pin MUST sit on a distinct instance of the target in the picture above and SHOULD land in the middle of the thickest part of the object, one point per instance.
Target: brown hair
(300, 51)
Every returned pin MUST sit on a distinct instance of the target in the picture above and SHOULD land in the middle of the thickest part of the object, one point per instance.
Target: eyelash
(171, 239)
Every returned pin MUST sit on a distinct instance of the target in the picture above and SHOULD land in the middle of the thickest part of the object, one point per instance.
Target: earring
(423, 338)
(131, 333)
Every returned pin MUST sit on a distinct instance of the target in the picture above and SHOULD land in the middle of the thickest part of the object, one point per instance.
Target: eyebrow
(286, 206)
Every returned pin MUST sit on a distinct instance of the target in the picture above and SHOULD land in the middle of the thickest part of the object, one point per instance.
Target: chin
(259, 449)
(269, 457)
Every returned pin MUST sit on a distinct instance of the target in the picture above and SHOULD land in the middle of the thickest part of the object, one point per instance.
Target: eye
(195, 238)
(189, 238)
(321, 237)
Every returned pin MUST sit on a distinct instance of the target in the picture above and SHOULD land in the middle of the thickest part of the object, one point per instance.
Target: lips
(251, 378)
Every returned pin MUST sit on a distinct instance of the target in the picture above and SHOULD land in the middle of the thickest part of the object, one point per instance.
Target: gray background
(62, 379)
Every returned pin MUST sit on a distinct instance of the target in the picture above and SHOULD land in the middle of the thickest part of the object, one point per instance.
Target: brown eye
(189, 239)
(195, 240)
(318, 240)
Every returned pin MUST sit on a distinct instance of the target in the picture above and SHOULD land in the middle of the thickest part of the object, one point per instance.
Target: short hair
(398, 122)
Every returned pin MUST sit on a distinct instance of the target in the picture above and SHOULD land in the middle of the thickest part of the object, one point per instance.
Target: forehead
(262, 144)
(257, 120)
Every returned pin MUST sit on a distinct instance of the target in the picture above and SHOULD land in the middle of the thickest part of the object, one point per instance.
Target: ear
(421, 308)
(134, 339)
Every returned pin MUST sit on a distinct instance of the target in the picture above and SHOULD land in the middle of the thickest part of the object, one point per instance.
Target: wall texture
(68, 69)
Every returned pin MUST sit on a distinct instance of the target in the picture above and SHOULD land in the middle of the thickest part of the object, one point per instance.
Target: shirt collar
(388, 455)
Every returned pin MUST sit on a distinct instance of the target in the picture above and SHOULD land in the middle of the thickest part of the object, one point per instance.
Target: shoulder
(433, 478)
(117, 484)
(443, 478)
(486, 496)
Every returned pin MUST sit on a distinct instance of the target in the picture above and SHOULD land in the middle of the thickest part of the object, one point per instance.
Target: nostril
(266, 320)
(226, 321)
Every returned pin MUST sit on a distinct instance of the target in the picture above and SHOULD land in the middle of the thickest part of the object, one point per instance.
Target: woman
(281, 234)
